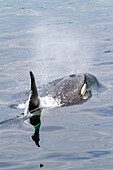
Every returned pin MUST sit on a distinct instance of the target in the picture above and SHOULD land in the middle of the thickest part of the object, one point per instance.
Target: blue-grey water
(54, 39)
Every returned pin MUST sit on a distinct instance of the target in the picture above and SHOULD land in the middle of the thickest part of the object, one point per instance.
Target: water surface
(55, 39)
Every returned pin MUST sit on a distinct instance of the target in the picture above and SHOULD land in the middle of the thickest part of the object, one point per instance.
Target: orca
(70, 90)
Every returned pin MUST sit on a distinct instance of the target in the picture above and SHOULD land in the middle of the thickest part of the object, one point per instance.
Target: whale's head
(70, 90)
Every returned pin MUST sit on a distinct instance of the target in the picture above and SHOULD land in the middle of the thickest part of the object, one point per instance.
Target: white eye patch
(83, 90)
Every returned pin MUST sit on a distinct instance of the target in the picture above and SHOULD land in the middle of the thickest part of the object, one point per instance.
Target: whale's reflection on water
(36, 122)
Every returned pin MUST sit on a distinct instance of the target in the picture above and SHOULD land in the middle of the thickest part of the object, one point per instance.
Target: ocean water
(54, 39)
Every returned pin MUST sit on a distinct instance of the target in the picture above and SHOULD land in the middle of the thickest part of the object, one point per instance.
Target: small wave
(18, 106)
(16, 120)
(104, 63)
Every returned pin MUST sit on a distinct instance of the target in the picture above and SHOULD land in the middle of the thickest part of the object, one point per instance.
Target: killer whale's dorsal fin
(33, 84)
(34, 99)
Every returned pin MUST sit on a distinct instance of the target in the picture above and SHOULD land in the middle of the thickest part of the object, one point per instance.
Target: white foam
(47, 101)
(21, 106)
(26, 111)
(24, 106)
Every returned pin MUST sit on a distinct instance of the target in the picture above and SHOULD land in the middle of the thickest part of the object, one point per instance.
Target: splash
(45, 102)
(48, 102)
(21, 106)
